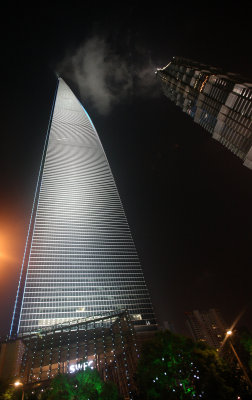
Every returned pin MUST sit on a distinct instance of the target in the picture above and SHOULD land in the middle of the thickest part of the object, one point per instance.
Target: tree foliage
(62, 387)
(8, 392)
(83, 385)
(174, 367)
(11, 394)
(245, 339)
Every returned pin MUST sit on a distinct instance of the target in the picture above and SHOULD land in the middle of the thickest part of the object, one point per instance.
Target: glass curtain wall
(80, 259)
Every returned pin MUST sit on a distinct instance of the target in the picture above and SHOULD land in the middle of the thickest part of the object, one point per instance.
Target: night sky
(187, 198)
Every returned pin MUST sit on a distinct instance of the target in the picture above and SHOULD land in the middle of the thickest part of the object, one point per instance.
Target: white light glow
(80, 366)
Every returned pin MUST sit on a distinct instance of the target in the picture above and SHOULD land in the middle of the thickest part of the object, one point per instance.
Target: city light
(17, 383)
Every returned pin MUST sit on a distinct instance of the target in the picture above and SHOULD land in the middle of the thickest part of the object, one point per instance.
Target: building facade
(108, 344)
(219, 102)
(80, 260)
(207, 326)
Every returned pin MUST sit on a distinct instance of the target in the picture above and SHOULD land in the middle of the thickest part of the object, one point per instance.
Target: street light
(228, 335)
(17, 384)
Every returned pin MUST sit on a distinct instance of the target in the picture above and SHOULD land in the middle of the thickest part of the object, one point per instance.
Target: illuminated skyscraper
(220, 103)
(80, 259)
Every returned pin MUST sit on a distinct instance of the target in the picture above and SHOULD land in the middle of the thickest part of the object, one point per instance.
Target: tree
(88, 385)
(173, 367)
(3, 387)
(243, 343)
(8, 391)
(109, 391)
(61, 388)
(83, 385)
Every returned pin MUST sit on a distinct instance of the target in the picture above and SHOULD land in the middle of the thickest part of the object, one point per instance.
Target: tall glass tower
(220, 102)
(80, 260)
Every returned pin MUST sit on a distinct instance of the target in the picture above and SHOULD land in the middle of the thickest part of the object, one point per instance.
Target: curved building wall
(81, 259)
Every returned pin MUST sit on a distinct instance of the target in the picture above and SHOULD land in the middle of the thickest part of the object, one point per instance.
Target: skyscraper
(80, 260)
(207, 326)
(219, 102)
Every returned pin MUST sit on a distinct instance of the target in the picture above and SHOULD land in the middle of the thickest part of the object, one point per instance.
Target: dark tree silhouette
(174, 367)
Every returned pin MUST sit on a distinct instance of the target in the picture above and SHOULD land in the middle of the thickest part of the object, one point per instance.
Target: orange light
(203, 84)
(17, 383)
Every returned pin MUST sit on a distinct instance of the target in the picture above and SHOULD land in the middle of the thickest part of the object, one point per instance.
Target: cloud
(106, 78)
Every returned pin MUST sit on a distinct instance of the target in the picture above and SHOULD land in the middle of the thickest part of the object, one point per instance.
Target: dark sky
(188, 199)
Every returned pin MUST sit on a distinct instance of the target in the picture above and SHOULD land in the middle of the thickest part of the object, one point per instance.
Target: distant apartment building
(219, 102)
(168, 325)
(207, 326)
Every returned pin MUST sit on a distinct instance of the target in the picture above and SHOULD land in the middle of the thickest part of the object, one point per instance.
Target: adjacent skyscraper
(220, 103)
(80, 259)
